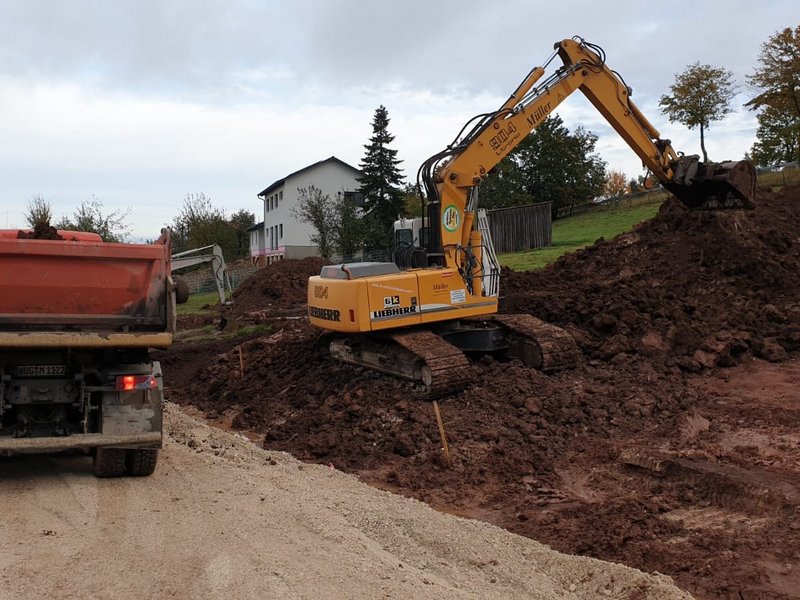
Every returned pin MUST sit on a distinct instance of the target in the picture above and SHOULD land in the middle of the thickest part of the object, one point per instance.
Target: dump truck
(78, 318)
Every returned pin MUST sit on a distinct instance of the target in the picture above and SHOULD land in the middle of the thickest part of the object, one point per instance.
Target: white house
(281, 235)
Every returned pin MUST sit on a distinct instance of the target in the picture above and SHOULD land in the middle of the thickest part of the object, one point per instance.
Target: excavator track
(416, 355)
(449, 369)
(440, 367)
(541, 345)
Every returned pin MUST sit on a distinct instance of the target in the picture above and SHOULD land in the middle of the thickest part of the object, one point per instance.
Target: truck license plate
(41, 370)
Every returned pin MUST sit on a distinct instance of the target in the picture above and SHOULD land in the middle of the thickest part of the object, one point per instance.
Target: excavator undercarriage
(437, 358)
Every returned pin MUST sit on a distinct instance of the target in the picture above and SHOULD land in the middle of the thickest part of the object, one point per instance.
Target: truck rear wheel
(142, 461)
(109, 462)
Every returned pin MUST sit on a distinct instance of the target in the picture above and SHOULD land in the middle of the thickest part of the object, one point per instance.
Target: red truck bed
(81, 284)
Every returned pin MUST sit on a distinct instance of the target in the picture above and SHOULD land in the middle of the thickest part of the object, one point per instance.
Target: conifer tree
(381, 182)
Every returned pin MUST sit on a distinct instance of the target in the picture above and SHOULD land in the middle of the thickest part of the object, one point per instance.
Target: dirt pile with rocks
(282, 285)
(692, 289)
(42, 231)
(588, 460)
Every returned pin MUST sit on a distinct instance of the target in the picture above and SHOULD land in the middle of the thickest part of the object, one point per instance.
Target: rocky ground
(672, 447)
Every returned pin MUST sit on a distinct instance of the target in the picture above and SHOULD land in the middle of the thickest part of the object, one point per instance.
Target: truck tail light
(129, 383)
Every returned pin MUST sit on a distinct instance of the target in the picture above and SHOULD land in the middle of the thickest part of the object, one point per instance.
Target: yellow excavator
(417, 317)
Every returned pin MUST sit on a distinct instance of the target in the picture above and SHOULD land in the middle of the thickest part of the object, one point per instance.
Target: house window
(280, 236)
(280, 195)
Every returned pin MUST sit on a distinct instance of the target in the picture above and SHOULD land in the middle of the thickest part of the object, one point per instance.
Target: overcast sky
(140, 103)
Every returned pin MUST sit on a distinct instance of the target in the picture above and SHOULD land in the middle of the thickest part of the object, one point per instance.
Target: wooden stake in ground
(241, 362)
(442, 434)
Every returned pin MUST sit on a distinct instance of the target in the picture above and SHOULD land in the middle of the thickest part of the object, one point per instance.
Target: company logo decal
(328, 314)
(451, 218)
(389, 313)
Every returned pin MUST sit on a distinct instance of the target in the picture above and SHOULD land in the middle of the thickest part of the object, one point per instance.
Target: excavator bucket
(713, 186)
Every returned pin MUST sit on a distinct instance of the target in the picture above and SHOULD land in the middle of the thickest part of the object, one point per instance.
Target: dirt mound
(544, 456)
(686, 288)
(282, 284)
(42, 231)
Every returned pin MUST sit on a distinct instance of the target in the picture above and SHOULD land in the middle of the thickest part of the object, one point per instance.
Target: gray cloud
(196, 46)
(156, 98)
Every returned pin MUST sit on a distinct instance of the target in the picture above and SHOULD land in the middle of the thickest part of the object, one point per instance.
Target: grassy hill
(573, 233)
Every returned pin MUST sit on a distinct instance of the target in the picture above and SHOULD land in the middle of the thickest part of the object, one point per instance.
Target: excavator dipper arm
(449, 176)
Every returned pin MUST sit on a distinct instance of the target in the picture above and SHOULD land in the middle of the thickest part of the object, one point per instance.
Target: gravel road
(222, 518)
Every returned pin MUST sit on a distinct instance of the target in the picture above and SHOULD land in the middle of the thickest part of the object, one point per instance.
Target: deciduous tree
(505, 186)
(201, 224)
(318, 210)
(550, 165)
(776, 80)
(700, 95)
(348, 226)
(241, 220)
(412, 204)
(615, 184)
(90, 216)
(38, 211)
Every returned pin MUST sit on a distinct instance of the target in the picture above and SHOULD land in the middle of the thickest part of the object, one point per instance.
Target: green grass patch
(574, 233)
(209, 333)
(196, 302)
(778, 179)
(261, 329)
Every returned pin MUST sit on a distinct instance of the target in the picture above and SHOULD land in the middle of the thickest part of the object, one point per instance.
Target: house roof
(280, 182)
(256, 226)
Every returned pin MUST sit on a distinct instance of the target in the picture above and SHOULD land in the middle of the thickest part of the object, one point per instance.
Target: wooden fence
(521, 227)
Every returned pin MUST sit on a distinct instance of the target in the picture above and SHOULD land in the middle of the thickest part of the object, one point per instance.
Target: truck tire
(142, 461)
(181, 291)
(109, 462)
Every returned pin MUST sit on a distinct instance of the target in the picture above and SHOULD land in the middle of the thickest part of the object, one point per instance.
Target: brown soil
(42, 231)
(672, 448)
(282, 284)
(688, 289)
